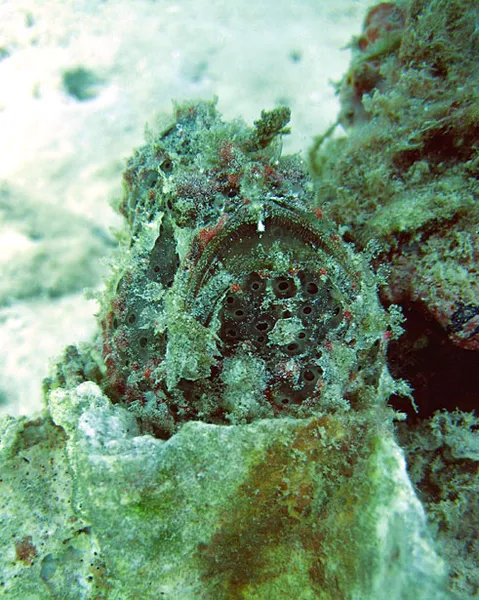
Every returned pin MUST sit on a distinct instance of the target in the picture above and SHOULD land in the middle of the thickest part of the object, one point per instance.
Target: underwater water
(238, 300)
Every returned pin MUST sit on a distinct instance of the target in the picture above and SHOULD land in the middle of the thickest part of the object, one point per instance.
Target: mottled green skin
(233, 299)
(277, 475)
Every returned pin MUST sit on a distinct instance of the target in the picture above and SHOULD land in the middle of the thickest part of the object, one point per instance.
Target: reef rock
(280, 508)
(407, 175)
(226, 435)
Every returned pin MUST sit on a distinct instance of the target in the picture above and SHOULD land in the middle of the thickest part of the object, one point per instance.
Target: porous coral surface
(279, 508)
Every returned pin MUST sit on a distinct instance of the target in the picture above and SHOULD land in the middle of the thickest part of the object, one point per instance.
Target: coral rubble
(279, 508)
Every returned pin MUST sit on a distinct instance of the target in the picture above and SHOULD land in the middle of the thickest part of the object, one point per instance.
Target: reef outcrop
(227, 434)
(407, 175)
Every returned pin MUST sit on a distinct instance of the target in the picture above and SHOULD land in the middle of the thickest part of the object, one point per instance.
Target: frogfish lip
(277, 220)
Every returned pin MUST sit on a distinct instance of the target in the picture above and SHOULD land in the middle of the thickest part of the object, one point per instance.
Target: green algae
(225, 512)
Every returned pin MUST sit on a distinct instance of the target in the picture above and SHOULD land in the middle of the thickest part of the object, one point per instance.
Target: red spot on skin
(232, 183)
(202, 239)
(246, 201)
(271, 175)
(208, 233)
(353, 376)
(381, 20)
(188, 112)
(256, 170)
(129, 177)
(387, 15)
(120, 339)
(288, 370)
(348, 315)
(323, 271)
(149, 369)
(268, 170)
(108, 321)
(388, 335)
(118, 305)
(233, 180)
(269, 395)
(110, 363)
(235, 288)
(328, 346)
(119, 386)
(318, 212)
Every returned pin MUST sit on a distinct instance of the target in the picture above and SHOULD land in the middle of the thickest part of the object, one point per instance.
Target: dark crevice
(442, 375)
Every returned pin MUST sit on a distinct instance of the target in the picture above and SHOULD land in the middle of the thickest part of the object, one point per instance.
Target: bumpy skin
(233, 299)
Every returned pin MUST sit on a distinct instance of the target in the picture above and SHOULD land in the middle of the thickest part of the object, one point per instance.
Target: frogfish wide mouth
(236, 299)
